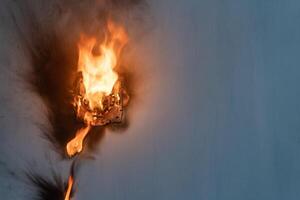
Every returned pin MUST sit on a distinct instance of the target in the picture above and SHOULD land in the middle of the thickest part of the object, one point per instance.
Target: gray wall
(219, 118)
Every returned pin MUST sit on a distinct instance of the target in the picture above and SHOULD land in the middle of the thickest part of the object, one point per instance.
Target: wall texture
(219, 118)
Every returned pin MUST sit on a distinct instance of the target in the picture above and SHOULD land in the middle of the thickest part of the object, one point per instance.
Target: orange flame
(98, 72)
(99, 75)
(69, 189)
(75, 145)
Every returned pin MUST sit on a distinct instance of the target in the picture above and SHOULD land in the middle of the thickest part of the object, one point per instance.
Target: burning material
(75, 145)
(99, 96)
(69, 188)
(70, 185)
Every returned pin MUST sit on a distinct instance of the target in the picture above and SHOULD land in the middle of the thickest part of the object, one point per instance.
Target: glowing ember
(99, 96)
(75, 145)
(69, 189)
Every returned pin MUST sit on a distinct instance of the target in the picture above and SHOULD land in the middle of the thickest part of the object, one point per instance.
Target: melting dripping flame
(99, 76)
(75, 145)
(69, 189)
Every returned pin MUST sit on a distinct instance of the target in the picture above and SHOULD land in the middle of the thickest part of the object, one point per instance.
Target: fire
(75, 145)
(69, 189)
(98, 98)
(98, 72)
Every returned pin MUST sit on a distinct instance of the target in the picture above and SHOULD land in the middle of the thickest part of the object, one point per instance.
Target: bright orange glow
(75, 145)
(69, 189)
(98, 76)
(98, 72)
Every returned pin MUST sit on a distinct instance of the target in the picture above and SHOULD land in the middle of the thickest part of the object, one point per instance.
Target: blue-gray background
(220, 119)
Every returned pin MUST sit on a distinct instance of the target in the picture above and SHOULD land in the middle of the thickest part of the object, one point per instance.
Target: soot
(53, 56)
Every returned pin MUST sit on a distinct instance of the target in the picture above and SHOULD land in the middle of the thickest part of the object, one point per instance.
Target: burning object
(69, 188)
(109, 110)
(98, 96)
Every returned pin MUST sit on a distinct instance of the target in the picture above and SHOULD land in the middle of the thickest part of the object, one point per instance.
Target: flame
(75, 145)
(98, 75)
(69, 189)
(98, 72)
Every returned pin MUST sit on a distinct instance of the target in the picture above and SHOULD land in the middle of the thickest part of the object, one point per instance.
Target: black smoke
(49, 32)
(50, 38)
(48, 188)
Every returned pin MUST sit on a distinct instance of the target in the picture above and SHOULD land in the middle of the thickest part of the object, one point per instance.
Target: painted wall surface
(220, 119)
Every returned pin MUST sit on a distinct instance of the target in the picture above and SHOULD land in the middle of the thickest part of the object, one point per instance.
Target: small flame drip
(69, 189)
(75, 145)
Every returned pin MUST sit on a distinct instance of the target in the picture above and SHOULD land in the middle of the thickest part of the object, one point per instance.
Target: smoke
(47, 188)
(49, 32)
(50, 188)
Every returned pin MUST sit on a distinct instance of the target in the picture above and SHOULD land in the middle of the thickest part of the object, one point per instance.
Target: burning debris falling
(69, 188)
(75, 145)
